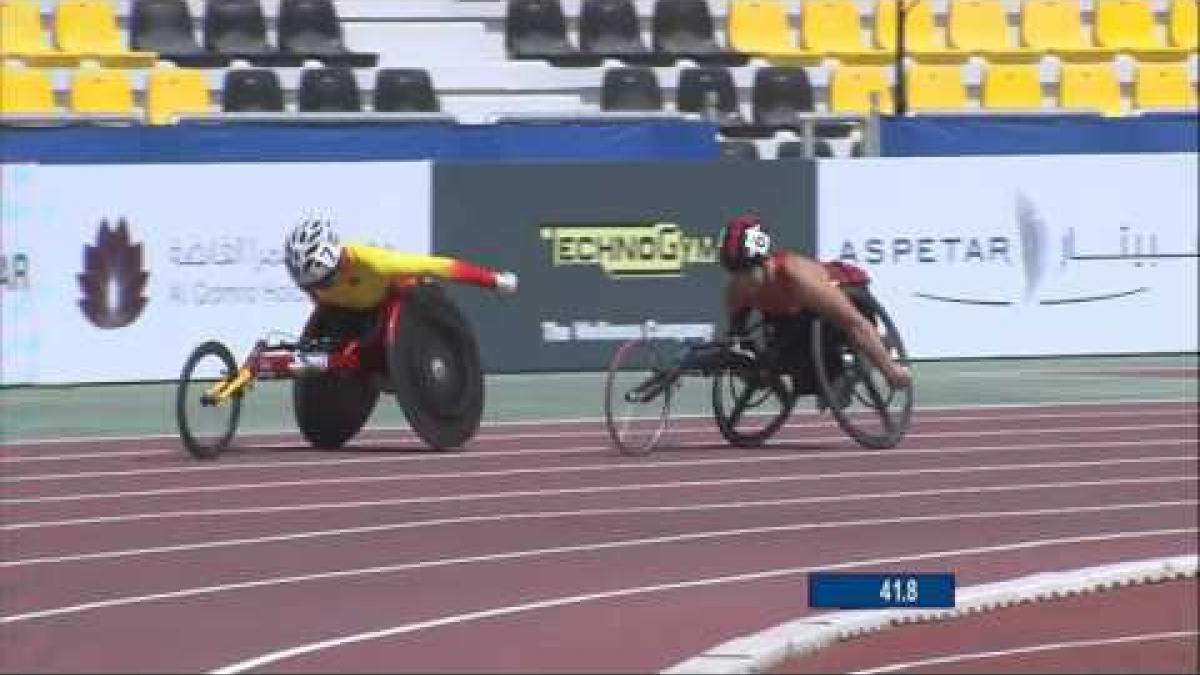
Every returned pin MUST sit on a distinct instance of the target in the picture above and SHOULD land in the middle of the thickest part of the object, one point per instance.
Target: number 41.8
(896, 590)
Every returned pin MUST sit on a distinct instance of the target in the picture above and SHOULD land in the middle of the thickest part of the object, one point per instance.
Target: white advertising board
(1022, 256)
(115, 272)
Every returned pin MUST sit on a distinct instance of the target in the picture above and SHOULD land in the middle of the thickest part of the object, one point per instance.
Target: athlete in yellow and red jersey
(357, 277)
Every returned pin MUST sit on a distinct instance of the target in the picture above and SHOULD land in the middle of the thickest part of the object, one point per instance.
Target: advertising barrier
(605, 252)
(1022, 256)
(115, 272)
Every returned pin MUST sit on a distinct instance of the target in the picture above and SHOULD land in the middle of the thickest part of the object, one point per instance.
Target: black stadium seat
(252, 90)
(738, 150)
(683, 29)
(609, 29)
(237, 29)
(166, 27)
(537, 29)
(631, 89)
(780, 93)
(311, 28)
(404, 90)
(709, 92)
(332, 89)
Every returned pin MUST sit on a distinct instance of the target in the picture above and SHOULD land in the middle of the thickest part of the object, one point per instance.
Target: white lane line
(312, 647)
(574, 549)
(582, 468)
(16, 443)
(595, 489)
(587, 513)
(1032, 649)
(369, 439)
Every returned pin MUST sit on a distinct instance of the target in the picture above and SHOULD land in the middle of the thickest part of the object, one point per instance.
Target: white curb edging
(766, 649)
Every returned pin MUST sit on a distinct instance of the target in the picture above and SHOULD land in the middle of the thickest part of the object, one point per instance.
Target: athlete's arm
(393, 263)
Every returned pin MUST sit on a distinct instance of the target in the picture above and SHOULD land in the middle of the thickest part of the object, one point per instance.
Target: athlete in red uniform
(782, 284)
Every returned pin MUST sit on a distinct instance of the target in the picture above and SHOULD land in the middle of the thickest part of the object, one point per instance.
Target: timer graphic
(894, 590)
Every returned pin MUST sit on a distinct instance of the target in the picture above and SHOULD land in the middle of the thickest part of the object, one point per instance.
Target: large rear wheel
(751, 403)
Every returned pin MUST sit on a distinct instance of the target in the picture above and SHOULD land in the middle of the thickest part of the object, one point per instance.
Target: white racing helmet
(311, 252)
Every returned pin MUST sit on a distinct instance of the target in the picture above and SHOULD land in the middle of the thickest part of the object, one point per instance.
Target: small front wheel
(206, 426)
(637, 396)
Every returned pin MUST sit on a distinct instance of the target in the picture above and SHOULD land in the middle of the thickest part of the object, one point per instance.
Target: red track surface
(540, 548)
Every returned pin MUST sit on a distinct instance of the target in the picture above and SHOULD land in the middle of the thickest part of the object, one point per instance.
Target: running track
(541, 549)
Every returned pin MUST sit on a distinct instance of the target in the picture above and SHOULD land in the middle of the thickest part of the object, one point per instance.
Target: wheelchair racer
(781, 283)
(349, 281)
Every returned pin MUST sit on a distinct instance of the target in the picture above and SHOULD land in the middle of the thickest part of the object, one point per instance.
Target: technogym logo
(629, 251)
(113, 282)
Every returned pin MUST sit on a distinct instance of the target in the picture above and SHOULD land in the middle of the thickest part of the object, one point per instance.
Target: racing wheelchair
(417, 345)
(759, 375)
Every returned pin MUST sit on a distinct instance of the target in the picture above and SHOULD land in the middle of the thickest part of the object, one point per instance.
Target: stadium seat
(920, 31)
(330, 89)
(22, 36)
(537, 29)
(1128, 26)
(609, 29)
(166, 27)
(631, 89)
(832, 28)
(404, 90)
(851, 87)
(935, 86)
(25, 91)
(1183, 26)
(1089, 85)
(683, 29)
(709, 91)
(780, 94)
(170, 91)
(738, 150)
(1011, 86)
(100, 90)
(1163, 84)
(251, 90)
(979, 27)
(89, 28)
(760, 28)
(237, 29)
(311, 29)
(1055, 26)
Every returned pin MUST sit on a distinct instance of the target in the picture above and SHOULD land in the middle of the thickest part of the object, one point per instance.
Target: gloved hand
(506, 282)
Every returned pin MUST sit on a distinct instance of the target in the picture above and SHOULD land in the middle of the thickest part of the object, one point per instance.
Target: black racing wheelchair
(758, 376)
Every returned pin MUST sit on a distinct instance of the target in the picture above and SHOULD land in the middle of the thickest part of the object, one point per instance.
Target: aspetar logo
(113, 282)
(629, 251)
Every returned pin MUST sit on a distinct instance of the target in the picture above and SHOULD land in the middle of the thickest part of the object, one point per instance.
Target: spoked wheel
(206, 426)
(435, 368)
(751, 403)
(860, 398)
(637, 396)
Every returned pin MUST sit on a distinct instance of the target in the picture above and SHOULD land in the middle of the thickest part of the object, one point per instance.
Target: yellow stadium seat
(1055, 26)
(979, 26)
(1159, 84)
(1183, 27)
(1089, 85)
(851, 87)
(101, 91)
(89, 28)
(170, 91)
(1128, 25)
(25, 91)
(937, 86)
(920, 30)
(1011, 86)
(832, 27)
(22, 36)
(760, 27)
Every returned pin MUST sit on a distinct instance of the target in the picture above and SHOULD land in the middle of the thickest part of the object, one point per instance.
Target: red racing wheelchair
(417, 346)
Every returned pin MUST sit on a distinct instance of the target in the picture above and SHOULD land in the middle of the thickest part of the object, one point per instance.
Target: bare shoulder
(803, 268)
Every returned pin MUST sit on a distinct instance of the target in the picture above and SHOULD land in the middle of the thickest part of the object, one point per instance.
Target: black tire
(862, 402)
(750, 387)
(331, 408)
(435, 367)
(189, 392)
(638, 375)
